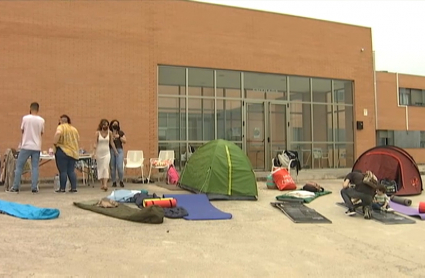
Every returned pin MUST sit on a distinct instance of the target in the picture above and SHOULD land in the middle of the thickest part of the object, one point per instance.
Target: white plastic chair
(135, 159)
(164, 160)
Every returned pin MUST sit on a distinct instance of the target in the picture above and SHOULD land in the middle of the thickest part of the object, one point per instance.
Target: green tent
(221, 170)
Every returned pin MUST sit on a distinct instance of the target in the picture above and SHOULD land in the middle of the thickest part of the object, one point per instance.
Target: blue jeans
(117, 163)
(66, 168)
(20, 163)
(377, 206)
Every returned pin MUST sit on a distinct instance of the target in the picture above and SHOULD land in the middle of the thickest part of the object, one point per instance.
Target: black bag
(313, 187)
(390, 186)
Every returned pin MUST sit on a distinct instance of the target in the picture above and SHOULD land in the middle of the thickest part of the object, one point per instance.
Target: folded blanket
(305, 199)
(152, 214)
(28, 211)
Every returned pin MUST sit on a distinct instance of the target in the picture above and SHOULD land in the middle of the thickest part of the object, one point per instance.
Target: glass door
(255, 134)
(277, 134)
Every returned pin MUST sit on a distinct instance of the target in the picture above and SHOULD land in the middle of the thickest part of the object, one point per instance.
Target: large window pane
(304, 153)
(322, 155)
(201, 121)
(265, 86)
(417, 97)
(343, 91)
(228, 83)
(171, 119)
(384, 137)
(171, 80)
(322, 123)
(322, 90)
(229, 120)
(407, 139)
(201, 82)
(299, 88)
(343, 123)
(344, 155)
(300, 122)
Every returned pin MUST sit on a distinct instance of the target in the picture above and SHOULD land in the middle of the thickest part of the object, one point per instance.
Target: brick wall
(98, 59)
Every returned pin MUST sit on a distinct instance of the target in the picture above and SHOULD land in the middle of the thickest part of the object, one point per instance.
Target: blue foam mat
(199, 207)
(29, 212)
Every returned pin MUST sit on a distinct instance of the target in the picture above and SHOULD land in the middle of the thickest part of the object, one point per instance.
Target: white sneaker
(389, 210)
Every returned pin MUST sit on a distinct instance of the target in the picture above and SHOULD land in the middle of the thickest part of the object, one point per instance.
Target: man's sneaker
(121, 184)
(73, 191)
(13, 190)
(34, 191)
(60, 191)
(367, 213)
(350, 212)
(114, 184)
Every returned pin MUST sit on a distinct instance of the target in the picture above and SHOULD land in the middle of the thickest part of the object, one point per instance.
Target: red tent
(393, 163)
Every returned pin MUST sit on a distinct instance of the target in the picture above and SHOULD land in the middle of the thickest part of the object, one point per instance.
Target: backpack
(172, 175)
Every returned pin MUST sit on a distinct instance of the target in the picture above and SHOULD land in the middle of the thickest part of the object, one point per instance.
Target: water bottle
(56, 182)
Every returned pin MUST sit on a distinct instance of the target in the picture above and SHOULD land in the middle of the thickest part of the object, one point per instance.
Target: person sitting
(364, 189)
(381, 201)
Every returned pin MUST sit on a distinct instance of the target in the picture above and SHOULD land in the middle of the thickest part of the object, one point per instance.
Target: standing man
(32, 129)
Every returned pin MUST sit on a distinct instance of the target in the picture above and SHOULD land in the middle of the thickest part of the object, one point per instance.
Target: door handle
(268, 139)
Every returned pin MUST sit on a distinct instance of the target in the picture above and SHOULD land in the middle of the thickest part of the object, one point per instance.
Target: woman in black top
(117, 161)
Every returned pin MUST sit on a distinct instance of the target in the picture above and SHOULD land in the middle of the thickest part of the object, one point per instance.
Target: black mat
(299, 213)
(387, 218)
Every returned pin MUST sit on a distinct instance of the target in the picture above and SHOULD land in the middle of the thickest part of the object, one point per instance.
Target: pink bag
(172, 175)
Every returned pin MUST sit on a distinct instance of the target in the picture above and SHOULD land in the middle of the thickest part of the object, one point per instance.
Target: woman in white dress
(104, 140)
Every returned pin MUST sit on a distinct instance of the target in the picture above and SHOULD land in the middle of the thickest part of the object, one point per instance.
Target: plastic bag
(283, 180)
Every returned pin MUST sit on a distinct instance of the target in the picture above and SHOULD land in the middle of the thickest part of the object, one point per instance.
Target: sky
(398, 27)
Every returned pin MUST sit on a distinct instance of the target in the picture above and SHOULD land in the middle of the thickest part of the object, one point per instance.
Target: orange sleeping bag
(162, 202)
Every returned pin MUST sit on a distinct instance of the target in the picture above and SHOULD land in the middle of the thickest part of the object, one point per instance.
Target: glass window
(407, 139)
(171, 119)
(322, 90)
(322, 156)
(264, 86)
(201, 121)
(322, 123)
(417, 97)
(300, 122)
(384, 137)
(344, 155)
(171, 80)
(299, 89)
(229, 120)
(228, 83)
(343, 123)
(201, 82)
(343, 91)
(404, 96)
(304, 153)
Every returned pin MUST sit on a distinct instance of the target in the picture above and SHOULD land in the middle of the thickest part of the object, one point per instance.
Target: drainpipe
(374, 90)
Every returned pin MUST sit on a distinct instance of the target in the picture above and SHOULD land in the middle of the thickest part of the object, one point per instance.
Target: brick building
(180, 73)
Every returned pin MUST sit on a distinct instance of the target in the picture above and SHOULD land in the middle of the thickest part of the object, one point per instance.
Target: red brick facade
(98, 59)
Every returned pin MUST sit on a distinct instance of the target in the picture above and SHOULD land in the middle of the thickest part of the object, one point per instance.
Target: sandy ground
(259, 241)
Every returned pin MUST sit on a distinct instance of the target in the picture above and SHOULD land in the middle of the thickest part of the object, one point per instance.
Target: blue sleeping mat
(28, 211)
(199, 207)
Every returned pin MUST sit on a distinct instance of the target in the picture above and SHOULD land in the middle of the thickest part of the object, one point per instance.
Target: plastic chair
(164, 160)
(134, 160)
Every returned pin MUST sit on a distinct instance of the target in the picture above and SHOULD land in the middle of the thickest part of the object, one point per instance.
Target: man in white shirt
(32, 129)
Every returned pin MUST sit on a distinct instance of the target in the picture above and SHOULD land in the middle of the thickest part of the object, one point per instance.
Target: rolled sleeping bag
(401, 201)
(422, 207)
(162, 202)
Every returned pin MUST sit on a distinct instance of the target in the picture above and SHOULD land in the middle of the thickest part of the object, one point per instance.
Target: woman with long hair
(66, 142)
(104, 140)
(117, 162)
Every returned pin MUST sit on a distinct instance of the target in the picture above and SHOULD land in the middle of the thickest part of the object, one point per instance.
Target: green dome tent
(221, 170)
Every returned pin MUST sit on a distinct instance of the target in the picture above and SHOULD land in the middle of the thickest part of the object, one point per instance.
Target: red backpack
(172, 175)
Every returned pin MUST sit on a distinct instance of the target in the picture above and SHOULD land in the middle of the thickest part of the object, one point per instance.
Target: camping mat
(299, 213)
(152, 214)
(172, 187)
(285, 197)
(387, 218)
(409, 211)
(28, 211)
(401, 200)
(199, 207)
